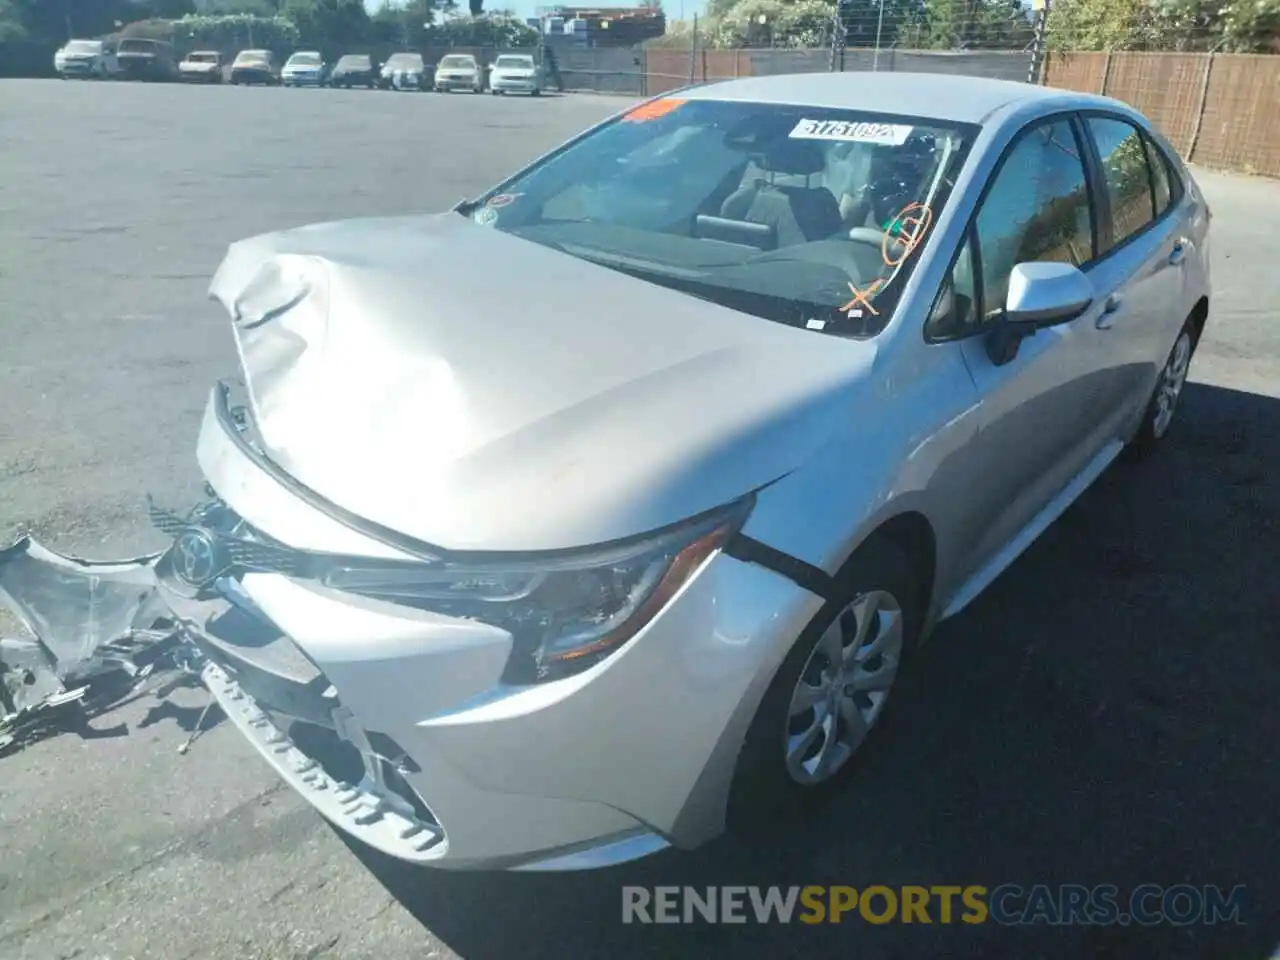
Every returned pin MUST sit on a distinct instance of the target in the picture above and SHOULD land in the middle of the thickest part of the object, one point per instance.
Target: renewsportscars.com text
(1007, 904)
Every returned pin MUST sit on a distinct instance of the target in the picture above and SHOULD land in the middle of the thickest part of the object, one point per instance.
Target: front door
(1038, 411)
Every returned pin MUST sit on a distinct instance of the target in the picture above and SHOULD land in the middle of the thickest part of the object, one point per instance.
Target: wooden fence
(1219, 110)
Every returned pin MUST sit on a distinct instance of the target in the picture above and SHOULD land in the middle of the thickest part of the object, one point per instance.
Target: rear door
(1142, 261)
(1038, 428)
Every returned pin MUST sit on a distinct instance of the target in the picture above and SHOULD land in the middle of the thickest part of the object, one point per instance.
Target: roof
(940, 96)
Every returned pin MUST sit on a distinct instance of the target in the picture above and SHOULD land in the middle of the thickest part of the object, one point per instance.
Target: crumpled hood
(482, 392)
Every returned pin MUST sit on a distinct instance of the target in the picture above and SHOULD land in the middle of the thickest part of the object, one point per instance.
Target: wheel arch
(1198, 317)
(912, 534)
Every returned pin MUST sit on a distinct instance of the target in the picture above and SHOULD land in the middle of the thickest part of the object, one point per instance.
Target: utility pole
(875, 56)
(838, 34)
(1041, 8)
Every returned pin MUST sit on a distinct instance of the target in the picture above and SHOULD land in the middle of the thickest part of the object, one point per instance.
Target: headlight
(565, 611)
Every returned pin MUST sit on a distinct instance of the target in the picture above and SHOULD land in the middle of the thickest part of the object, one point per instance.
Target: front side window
(1037, 209)
(807, 216)
(1127, 175)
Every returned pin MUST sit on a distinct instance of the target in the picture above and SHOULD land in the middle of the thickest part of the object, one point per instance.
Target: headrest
(801, 157)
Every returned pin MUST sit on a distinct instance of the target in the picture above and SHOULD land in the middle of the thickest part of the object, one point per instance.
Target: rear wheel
(1163, 405)
(831, 690)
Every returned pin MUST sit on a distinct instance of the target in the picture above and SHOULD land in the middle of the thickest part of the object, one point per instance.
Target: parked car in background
(405, 71)
(458, 71)
(515, 73)
(143, 59)
(88, 59)
(255, 66)
(813, 360)
(354, 70)
(202, 66)
(306, 68)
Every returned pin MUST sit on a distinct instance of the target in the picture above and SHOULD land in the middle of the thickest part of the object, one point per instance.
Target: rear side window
(1164, 180)
(1161, 193)
(1123, 152)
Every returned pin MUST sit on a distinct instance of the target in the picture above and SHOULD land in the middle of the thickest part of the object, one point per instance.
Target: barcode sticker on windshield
(885, 134)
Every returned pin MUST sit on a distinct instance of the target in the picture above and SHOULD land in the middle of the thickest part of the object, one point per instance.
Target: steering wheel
(892, 248)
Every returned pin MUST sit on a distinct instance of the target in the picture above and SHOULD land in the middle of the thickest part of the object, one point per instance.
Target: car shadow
(1101, 715)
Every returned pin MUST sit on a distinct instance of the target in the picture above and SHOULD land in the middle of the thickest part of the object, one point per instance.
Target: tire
(1162, 408)
(535, 92)
(875, 580)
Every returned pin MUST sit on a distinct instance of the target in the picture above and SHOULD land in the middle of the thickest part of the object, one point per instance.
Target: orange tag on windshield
(653, 110)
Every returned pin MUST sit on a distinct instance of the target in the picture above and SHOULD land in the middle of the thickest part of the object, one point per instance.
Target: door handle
(1177, 254)
(1108, 316)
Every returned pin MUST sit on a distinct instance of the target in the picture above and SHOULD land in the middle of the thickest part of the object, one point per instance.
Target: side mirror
(1041, 294)
(1046, 294)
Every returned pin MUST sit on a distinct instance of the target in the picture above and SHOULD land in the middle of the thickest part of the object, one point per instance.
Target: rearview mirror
(1041, 294)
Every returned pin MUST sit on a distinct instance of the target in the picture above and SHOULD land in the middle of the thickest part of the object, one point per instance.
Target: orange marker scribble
(653, 110)
(860, 297)
(911, 223)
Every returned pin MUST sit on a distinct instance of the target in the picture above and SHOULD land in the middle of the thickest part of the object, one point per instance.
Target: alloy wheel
(843, 687)
(1172, 379)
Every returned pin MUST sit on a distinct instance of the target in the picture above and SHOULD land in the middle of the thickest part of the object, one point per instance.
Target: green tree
(486, 30)
(406, 22)
(1233, 26)
(330, 24)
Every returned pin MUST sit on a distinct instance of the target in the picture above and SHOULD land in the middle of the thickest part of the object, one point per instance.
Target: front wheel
(535, 92)
(832, 688)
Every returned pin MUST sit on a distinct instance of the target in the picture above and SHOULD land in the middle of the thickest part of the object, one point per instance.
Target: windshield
(252, 56)
(808, 216)
(458, 62)
(404, 60)
(137, 46)
(354, 63)
(84, 46)
(305, 59)
(514, 63)
(202, 58)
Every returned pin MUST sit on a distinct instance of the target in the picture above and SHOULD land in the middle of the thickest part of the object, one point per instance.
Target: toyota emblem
(196, 558)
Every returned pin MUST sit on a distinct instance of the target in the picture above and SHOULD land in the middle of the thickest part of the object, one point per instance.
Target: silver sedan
(609, 507)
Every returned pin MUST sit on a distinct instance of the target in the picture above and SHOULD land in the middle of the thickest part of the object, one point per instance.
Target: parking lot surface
(1103, 714)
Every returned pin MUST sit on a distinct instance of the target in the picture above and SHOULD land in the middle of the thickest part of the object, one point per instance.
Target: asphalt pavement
(1105, 713)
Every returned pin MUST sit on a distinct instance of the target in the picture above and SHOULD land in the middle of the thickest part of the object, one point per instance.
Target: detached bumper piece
(88, 622)
(368, 814)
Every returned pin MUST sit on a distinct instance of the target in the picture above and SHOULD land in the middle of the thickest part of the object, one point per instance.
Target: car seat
(797, 214)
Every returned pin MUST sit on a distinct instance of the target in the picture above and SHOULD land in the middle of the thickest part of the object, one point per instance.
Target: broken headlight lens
(564, 611)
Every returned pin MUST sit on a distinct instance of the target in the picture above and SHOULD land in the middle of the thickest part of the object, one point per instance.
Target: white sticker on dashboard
(885, 134)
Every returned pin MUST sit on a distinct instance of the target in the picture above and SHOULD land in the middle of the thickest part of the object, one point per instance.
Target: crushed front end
(428, 732)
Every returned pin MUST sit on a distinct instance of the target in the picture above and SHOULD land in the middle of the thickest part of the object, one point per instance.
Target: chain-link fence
(1207, 74)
